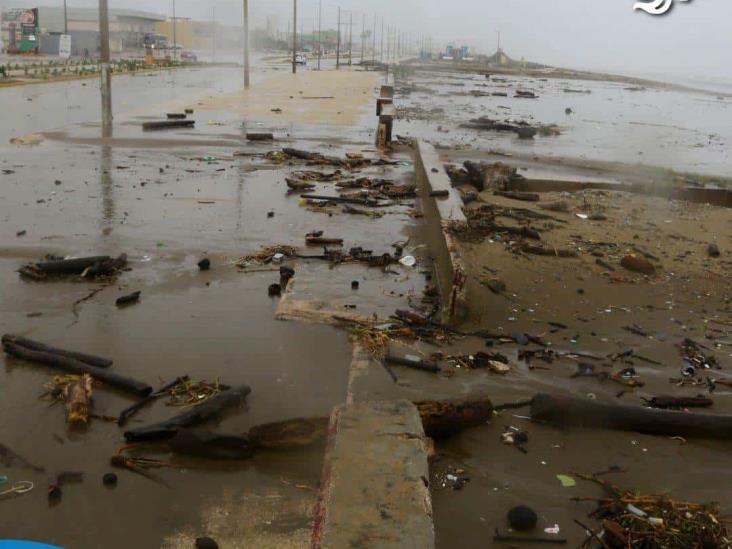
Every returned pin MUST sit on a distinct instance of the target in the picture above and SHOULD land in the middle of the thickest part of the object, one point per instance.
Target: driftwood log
(198, 414)
(260, 136)
(341, 199)
(77, 397)
(92, 360)
(128, 299)
(516, 195)
(87, 267)
(70, 266)
(289, 434)
(105, 268)
(526, 232)
(666, 402)
(442, 419)
(582, 413)
(77, 367)
(416, 363)
(204, 444)
(130, 411)
(322, 241)
(541, 250)
(165, 124)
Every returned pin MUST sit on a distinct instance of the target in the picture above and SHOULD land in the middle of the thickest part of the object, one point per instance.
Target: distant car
(188, 56)
(155, 41)
(301, 59)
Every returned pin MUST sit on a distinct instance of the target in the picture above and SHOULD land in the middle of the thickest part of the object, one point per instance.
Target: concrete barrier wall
(440, 214)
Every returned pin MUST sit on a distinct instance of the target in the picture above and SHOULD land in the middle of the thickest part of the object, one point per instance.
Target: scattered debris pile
(351, 160)
(634, 520)
(482, 175)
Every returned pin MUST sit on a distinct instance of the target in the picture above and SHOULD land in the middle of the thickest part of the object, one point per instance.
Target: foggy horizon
(688, 42)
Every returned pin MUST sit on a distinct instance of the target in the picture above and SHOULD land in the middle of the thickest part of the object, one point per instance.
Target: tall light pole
(105, 72)
(175, 38)
(213, 33)
(373, 45)
(363, 35)
(246, 44)
(294, 36)
(381, 50)
(350, 41)
(338, 42)
(320, 31)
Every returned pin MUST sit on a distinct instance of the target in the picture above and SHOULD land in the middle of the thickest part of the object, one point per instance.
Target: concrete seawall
(440, 213)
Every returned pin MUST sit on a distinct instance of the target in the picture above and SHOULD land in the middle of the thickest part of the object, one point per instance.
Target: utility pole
(104, 69)
(350, 42)
(363, 35)
(320, 31)
(294, 36)
(373, 45)
(213, 33)
(175, 40)
(66, 20)
(338, 42)
(246, 44)
(381, 49)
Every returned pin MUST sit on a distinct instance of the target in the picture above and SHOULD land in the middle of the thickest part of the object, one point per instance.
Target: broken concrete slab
(374, 488)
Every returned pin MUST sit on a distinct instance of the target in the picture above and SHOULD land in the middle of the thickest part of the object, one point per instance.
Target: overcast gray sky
(693, 40)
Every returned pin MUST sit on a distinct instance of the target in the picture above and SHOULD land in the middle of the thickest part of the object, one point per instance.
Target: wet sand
(309, 97)
(601, 308)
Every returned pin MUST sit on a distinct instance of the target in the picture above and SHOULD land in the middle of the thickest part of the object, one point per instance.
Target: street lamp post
(320, 31)
(246, 44)
(294, 36)
(175, 38)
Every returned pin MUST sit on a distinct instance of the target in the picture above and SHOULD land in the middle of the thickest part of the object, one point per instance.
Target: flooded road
(54, 105)
(167, 200)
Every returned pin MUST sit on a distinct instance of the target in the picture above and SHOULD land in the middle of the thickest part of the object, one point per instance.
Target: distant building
(201, 35)
(127, 29)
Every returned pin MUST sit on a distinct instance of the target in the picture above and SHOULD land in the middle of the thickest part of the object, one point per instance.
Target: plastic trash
(637, 512)
(408, 261)
(567, 481)
(278, 258)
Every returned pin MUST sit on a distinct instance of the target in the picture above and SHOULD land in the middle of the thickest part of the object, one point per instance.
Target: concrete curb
(440, 215)
(374, 491)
